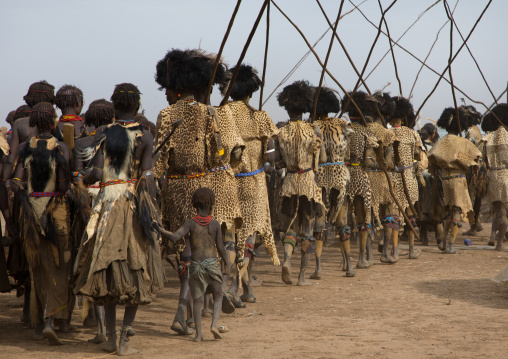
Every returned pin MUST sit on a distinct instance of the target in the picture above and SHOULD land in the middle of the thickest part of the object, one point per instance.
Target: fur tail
(147, 213)
(28, 229)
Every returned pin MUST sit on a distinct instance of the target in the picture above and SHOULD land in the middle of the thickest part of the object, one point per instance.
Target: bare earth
(439, 305)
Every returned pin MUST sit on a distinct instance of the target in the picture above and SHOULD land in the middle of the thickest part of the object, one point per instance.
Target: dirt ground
(439, 305)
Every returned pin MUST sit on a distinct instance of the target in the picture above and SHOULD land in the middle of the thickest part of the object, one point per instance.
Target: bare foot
(387, 259)
(499, 247)
(286, 273)
(50, 335)
(350, 273)
(109, 346)
(451, 251)
(316, 275)
(180, 329)
(98, 339)
(197, 339)
(302, 282)
(414, 253)
(216, 333)
(362, 264)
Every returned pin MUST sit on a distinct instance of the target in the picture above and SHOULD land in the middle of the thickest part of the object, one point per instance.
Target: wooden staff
(454, 57)
(418, 59)
(320, 63)
(266, 56)
(174, 125)
(368, 58)
(219, 54)
(450, 69)
(391, 47)
(334, 33)
(350, 60)
(242, 55)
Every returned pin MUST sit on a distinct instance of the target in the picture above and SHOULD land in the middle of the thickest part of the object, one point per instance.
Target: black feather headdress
(328, 102)
(183, 70)
(448, 120)
(386, 104)
(247, 82)
(366, 103)
(403, 111)
(297, 97)
(490, 122)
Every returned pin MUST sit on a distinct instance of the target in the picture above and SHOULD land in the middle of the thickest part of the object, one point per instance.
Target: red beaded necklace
(70, 118)
(202, 221)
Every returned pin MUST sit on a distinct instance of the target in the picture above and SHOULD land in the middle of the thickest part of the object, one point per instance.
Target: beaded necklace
(202, 221)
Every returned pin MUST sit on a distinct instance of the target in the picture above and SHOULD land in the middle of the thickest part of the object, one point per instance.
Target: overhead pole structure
(319, 60)
(266, 56)
(418, 59)
(368, 58)
(454, 57)
(219, 54)
(242, 55)
(334, 33)
(350, 59)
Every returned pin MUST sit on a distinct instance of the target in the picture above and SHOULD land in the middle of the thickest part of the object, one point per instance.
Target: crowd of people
(95, 201)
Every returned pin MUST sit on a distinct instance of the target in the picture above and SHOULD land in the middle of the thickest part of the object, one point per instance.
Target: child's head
(203, 198)
(126, 98)
(40, 92)
(69, 96)
(43, 117)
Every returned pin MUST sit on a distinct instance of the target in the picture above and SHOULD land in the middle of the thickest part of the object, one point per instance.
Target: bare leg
(179, 324)
(319, 251)
(413, 252)
(49, 332)
(110, 345)
(492, 241)
(128, 318)
(440, 235)
(395, 244)
(289, 245)
(385, 256)
(198, 305)
(100, 337)
(303, 264)
(217, 305)
(454, 229)
(362, 262)
(502, 224)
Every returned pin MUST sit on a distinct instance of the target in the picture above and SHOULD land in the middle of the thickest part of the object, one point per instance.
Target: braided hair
(203, 198)
(40, 92)
(126, 97)
(21, 111)
(68, 96)
(10, 117)
(43, 116)
(99, 113)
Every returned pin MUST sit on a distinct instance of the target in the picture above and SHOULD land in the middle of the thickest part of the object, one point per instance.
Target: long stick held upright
(242, 55)
(219, 54)
(326, 62)
(266, 56)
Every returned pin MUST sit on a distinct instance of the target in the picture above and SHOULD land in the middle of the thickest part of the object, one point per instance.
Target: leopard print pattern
(177, 157)
(380, 189)
(495, 154)
(335, 138)
(359, 185)
(256, 128)
(300, 147)
(410, 144)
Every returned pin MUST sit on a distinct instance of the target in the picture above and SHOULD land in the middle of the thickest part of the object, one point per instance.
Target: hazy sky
(96, 44)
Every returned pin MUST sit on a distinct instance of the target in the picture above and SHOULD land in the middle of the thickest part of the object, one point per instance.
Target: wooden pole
(219, 54)
(334, 33)
(242, 55)
(266, 56)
